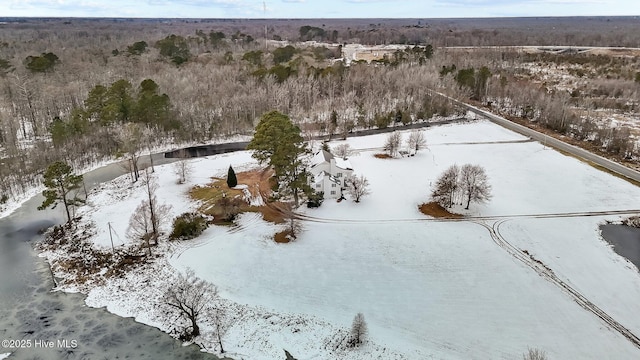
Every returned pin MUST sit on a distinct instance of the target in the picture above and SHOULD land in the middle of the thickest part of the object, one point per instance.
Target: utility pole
(264, 9)
(113, 249)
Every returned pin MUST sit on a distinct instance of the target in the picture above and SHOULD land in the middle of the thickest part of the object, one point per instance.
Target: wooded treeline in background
(85, 90)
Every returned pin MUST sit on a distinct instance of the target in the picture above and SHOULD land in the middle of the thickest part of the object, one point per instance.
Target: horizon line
(319, 18)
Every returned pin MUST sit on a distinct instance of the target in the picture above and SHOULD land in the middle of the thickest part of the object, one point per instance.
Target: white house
(328, 174)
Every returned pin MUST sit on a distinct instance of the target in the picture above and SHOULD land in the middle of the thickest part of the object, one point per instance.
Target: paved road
(552, 142)
(213, 149)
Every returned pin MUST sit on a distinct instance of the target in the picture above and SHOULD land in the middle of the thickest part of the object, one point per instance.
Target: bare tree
(446, 187)
(182, 168)
(534, 354)
(474, 184)
(26, 95)
(357, 187)
(358, 330)
(392, 143)
(343, 151)
(158, 213)
(293, 226)
(140, 225)
(416, 141)
(190, 296)
(220, 326)
(130, 143)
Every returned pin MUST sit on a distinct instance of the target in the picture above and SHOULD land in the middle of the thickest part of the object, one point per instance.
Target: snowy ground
(428, 289)
(12, 204)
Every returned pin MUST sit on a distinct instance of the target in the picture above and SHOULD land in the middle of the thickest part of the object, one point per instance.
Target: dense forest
(86, 90)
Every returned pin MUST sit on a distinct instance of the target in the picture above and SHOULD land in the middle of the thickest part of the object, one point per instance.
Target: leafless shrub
(190, 296)
(357, 187)
(416, 141)
(182, 168)
(140, 225)
(343, 151)
(534, 354)
(633, 221)
(392, 143)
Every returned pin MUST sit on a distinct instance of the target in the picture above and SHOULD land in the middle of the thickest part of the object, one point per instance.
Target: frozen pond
(55, 325)
(625, 241)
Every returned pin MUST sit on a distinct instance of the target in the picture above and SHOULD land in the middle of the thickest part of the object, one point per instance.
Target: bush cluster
(188, 226)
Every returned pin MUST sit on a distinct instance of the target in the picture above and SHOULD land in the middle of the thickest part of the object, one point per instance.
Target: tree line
(89, 99)
(217, 82)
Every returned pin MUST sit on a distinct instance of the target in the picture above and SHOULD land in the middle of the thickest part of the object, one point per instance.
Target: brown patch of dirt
(259, 183)
(272, 212)
(434, 209)
(257, 180)
(263, 182)
(281, 237)
(382, 156)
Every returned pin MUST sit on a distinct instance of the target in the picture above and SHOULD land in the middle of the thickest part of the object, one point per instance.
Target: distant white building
(328, 174)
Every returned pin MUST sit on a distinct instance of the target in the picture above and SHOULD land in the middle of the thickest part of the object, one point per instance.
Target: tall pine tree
(232, 180)
(60, 180)
(277, 141)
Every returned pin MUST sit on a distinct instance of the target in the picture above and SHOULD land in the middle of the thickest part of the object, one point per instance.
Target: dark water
(206, 150)
(31, 313)
(625, 241)
(213, 149)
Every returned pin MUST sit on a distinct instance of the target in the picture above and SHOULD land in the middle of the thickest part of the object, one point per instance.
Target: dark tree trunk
(194, 325)
(220, 342)
(64, 201)
(295, 197)
(153, 169)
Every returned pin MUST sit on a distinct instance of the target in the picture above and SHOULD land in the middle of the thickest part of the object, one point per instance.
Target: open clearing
(429, 288)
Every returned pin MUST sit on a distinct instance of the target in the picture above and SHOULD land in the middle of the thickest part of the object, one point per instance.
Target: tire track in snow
(545, 272)
(523, 256)
(309, 218)
(498, 142)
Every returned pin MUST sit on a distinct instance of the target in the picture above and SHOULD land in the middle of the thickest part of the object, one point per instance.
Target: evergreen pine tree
(232, 180)
(277, 141)
(60, 181)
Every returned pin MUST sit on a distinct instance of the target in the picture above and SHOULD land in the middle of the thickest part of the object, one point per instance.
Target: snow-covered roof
(334, 179)
(319, 178)
(343, 164)
(320, 157)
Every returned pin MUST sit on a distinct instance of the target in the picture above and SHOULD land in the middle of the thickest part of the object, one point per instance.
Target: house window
(333, 185)
(333, 193)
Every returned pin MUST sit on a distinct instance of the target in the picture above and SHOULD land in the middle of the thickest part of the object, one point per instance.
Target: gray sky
(317, 8)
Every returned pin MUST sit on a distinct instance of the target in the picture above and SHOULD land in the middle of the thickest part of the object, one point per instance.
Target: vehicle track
(545, 272)
(521, 255)
(305, 217)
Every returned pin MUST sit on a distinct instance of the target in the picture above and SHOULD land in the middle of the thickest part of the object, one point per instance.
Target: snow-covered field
(428, 289)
